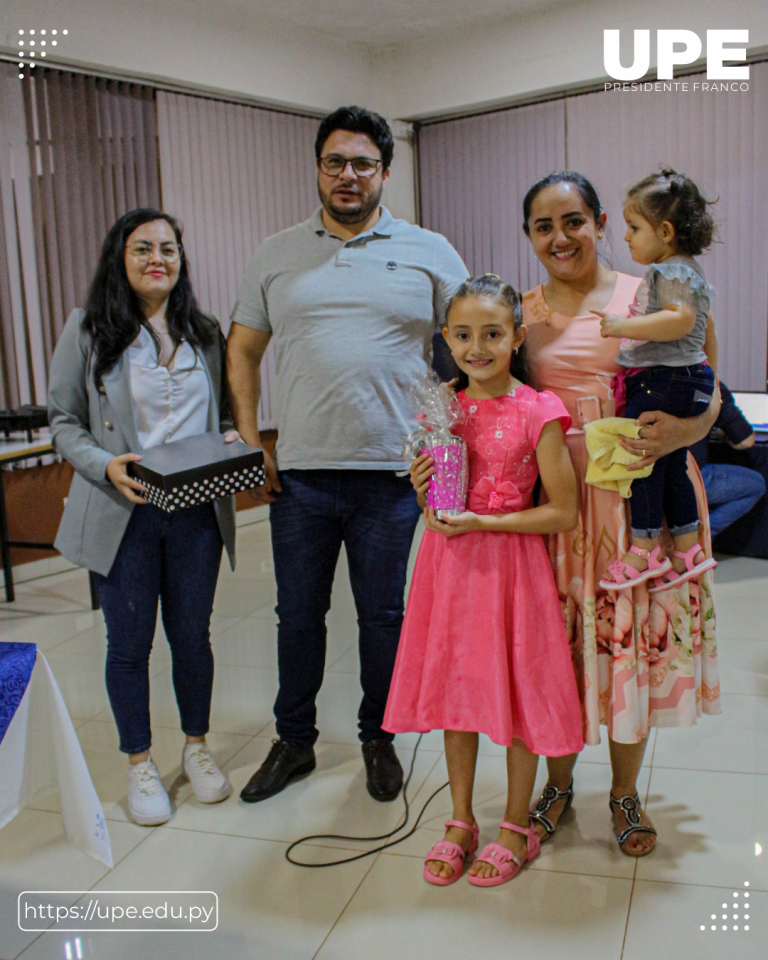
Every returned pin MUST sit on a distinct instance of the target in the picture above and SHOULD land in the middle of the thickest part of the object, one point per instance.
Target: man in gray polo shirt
(352, 298)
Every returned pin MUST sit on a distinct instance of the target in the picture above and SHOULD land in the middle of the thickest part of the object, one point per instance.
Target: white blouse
(167, 404)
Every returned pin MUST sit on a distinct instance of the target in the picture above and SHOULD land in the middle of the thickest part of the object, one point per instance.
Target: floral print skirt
(641, 661)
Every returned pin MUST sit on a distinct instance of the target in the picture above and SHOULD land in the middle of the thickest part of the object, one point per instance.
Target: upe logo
(676, 48)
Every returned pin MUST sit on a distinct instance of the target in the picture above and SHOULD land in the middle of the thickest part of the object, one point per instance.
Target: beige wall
(558, 47)
(208, 44)
(214, 45)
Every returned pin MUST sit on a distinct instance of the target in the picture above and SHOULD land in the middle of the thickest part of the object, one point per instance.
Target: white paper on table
(41, 753)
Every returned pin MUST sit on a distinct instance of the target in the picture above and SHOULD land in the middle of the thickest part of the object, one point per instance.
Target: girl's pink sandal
(451, 853)
(619, 570)
(673, 579)
(506, 862)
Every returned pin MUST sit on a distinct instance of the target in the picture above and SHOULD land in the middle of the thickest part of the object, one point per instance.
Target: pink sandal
(673, 579)
(451, 853)
(506, 862)
(619, 570)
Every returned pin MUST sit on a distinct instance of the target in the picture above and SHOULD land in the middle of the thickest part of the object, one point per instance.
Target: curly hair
(674, 197)
(490, 285)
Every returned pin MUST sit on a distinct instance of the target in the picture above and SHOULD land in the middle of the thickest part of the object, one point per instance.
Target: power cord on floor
(384, 836)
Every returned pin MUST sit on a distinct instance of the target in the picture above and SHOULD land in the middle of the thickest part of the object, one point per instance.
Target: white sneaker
(148, 802)
(208, 782)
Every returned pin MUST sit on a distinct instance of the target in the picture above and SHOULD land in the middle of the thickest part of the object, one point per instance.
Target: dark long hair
(489, 285)
(673, 196)
(113, 314)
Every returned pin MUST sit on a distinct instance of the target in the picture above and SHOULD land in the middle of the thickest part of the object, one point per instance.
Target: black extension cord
(384, 836)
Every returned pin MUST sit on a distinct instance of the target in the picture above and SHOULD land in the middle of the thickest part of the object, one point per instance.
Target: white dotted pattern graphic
(734, 906)
(31, 44)
(203, 491)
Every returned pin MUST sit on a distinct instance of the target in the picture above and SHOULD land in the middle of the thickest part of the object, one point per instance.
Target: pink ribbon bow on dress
(499, 497)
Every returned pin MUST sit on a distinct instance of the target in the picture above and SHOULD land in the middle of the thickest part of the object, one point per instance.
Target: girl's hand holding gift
(452, 526)
(421, 469)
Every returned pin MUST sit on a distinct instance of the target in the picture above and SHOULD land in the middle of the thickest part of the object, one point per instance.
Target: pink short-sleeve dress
(640, 661)
(483, 646)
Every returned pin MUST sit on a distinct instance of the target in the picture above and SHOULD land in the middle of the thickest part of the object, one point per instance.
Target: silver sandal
(630, 807)
(549, 796)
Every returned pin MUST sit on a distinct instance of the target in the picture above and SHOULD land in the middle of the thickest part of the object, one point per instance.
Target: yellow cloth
(607, 458)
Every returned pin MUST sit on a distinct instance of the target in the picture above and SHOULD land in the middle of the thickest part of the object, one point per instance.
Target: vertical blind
(94, 157)
(473, 176)
(721, 141)
(234, 175)
(76, 153)
(22, 355)
(475, 172)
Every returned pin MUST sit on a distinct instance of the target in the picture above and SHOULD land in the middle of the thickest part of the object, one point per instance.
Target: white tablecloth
(40, 753)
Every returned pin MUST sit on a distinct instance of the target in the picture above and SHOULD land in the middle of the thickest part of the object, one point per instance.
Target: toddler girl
(665, 369)
(483, 647)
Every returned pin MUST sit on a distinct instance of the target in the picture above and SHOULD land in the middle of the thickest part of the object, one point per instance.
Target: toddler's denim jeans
(668, 491)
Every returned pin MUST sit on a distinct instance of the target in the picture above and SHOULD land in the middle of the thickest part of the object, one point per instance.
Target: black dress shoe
(384, 775)
(285, 762)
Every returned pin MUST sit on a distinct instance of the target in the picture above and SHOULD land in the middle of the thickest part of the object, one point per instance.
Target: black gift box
(187, 472)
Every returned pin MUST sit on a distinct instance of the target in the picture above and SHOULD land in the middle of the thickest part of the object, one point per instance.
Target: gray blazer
(90, 427)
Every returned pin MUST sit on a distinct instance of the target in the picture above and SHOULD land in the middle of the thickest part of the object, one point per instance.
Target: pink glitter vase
(448, 486)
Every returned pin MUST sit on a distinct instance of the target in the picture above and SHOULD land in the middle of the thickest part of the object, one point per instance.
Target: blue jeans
(374, 514)
(668, 491)
(174, 558)
(732, 491)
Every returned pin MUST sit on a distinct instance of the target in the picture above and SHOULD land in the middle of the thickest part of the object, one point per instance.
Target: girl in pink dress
(483, 647)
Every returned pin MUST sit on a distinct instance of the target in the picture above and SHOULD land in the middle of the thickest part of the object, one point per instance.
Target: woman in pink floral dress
(640, 661)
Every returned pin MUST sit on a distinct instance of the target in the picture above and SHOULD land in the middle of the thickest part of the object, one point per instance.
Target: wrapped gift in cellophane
(438, 413)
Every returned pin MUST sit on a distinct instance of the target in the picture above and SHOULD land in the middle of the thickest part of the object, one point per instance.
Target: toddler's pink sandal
(619, 570)
(451, 853)
(674, 579)
(506, 862)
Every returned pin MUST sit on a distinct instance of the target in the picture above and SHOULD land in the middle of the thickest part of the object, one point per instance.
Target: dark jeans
(374, 514)
(732, 491)
(668, 491)
(173, 557)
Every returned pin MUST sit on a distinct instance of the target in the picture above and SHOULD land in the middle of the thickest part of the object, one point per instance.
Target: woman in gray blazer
(139, 366)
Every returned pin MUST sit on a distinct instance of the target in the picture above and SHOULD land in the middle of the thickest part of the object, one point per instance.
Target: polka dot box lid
(196, 470)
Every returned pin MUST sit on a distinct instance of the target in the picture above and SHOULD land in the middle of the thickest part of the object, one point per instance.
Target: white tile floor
(706, 788)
